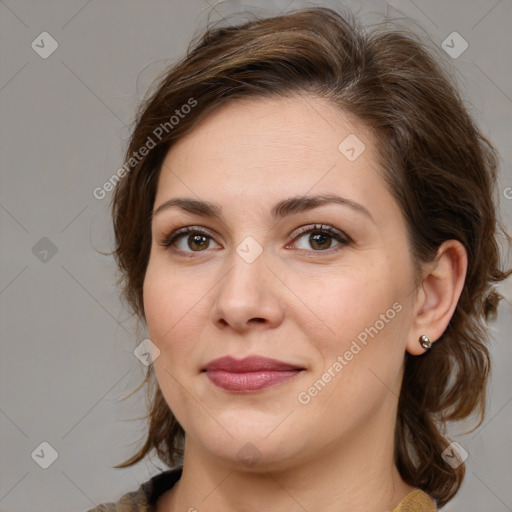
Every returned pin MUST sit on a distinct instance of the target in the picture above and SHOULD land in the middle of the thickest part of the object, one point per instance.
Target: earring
(425, 342)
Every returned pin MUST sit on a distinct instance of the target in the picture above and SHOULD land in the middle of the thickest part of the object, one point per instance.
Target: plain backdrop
(66, 342)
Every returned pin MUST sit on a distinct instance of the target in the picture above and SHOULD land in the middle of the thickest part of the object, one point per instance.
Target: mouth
(250, 374)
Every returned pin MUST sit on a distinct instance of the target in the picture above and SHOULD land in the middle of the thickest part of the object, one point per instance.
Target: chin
(252, 450)
(257, 457)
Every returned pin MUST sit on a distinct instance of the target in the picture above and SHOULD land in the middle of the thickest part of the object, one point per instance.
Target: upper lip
(249, 364)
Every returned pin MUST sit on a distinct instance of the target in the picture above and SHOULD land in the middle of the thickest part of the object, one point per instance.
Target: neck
(357, 474)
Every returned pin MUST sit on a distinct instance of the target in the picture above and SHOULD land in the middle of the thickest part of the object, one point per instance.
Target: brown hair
(440, 168)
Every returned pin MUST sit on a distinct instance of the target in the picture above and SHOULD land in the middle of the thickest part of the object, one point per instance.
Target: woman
(305, 224)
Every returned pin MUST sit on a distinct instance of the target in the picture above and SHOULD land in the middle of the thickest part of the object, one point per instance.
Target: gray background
(66, 342)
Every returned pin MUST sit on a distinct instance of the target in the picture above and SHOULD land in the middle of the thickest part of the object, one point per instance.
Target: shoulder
(416, 501)
(145, 497)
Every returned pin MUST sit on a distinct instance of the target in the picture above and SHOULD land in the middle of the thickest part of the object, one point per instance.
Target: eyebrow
(280, 210)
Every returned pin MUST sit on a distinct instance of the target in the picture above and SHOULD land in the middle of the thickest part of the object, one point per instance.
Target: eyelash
(343, 239)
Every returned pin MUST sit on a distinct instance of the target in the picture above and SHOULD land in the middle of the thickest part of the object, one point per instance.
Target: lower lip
(249, 381)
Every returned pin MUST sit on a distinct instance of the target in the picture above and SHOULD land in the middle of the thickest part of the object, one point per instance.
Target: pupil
(319, 238)
(196, 239)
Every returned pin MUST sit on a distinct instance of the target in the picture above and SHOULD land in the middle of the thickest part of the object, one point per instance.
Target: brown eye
(321, 238)
(199, 242)
(188, 240)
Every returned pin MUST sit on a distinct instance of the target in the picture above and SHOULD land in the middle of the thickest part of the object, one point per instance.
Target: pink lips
(249, 374)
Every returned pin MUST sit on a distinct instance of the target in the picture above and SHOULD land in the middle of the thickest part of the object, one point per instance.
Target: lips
(250, 374)
(248, 364)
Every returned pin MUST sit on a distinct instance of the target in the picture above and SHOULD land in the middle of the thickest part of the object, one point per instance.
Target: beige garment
(144, 499)
(416, 501)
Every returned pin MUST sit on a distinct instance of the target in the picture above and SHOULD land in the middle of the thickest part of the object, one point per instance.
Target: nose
(248, 296)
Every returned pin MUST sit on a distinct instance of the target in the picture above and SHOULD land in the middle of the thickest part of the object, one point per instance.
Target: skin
(299, 301)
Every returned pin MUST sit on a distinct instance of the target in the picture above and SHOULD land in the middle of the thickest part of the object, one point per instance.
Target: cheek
(346, 304)
(173, 304)
(157, 302)
(362, 345)
(361, 362)
(164, 304)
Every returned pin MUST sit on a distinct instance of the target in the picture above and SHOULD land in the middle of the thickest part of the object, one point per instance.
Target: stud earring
(425, 342)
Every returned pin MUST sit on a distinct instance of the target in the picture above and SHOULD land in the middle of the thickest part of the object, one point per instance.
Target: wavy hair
(440, 168)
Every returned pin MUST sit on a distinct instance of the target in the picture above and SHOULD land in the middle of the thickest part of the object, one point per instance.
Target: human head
(439, 168)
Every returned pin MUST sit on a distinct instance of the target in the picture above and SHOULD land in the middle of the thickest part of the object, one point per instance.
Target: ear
(438, 294)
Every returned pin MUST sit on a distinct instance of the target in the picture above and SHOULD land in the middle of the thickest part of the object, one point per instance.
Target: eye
(194, 238)
(320, 238)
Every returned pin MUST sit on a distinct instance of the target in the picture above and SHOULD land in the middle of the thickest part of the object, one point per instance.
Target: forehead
(300, 123)
(298, 140)
(297, 127)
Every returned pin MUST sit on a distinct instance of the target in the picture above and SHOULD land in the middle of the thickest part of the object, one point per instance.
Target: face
(323, 286)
